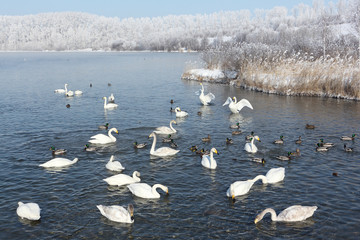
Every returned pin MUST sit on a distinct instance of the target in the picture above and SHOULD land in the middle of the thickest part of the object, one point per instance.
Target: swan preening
(239, 188)
(291, 214)
(30, 211)
(109, 105)
(58, 163)
(235, 107)
(117, 213)
(103, 139)
(208, 161)
(205, 99)
(166, 130)
(163, 151)
(250, 146)
(180, 113)
(114, 165)
(123, 179)
(144, 190)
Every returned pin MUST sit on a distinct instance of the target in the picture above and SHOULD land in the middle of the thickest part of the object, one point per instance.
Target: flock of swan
(117, 213)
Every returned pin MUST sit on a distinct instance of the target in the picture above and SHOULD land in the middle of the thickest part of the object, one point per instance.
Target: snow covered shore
(208, 75)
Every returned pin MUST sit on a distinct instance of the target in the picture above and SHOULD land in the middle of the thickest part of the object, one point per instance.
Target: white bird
(166, 130)
(275, 175)
(30, 211)
(291, 214)
(250, 146)
(208, 161)
(111, 98)
(239, 188)
(117, 213)
(109, 105)
(78, 92)
(68, 93)
(60, 90)
(58, 163)
(205, 99)
(144, 190)
(103, 139)
(163, 151)
(123, 179)
(114, 165)
(235, 107)
(180, 113)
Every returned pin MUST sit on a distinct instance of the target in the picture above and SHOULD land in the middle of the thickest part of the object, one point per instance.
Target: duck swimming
(284, 158)
(229, 141)
(206, 139)
(58, 151)
(346, 138)
(139, 145)
(279, 141)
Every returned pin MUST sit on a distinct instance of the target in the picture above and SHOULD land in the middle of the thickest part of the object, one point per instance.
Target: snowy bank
(208, 75)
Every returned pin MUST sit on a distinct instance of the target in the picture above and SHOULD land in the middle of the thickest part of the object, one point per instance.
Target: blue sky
(140, 8)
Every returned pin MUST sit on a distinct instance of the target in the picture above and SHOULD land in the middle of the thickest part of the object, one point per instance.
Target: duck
(295, 213)
(89, 149)
(104, 127)
(236, 132)
(348, 149)
(58, 151)
(229, 141)
(346, 138)
(279, 141)
(235, 107)
(199, 113)
(123, 179)
(206, 139)
(30, 211)
(68, 105)
(111, 98)
(208, 161)
(235, 126)
(163, 151)
(68, 93)
(259, 160)
(309, 126)
(173, 144)
(204, 152)
(205, 99)
(172, 109)
(328, 145)
(319, 148)
(194, 148)
(117, 213)
(167, 139)
(60, 90)
(58, 163)
(144, 190)
(109, 105)
(296, 153)
(166, 130)
(114, 165)
(299, 141)
(109, 84)
(285, 158)
(139, 145)
(103, 139)
(180, 113)
(250, 147)
(248, 137)
(171, 101)
(90, 84)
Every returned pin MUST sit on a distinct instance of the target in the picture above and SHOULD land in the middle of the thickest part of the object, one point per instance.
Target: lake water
(33, 118)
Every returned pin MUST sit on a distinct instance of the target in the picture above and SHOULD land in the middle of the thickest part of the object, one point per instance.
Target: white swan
(123, 179)
(68, 93)
(163, 151)
(109, 105)
(239, 188)
(60, 90)
(166, 130)
(78, 92)
(235, 107)
(291, 214)
(250, 146)
(117, 213)
(205, 99)
(111, 98)
(275, 175)
(59, 162)
(144, 190)
(209, 161)
(114, 165)
(180, 113)
(103, 139)
(30, 211)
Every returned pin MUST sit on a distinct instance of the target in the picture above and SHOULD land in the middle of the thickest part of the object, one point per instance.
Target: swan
(205, 99)
(59, 162)
(275, 175)
(291, 214)
(111, 98)
(30, 211)
(239, 188)
(144, 190)
(117, 213)
(163, 151)
(78, 92)
(68, 93)
(166, 130)
(123, 179)
(235, 107)
(209, 161)
(180, 113)
(250, 146)
(109, 105)
(60, 90)
(114, 165)
(103, 139)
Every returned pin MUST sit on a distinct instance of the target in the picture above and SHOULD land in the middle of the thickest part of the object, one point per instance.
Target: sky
(141, 8)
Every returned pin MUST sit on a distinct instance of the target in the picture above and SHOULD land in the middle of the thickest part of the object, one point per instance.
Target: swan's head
(177, 109)
(200, 84)
(257, 138)
(214, 151)
(52, 148)
(131, 211)
(173, 121)
(257, 219)
(152, 135)
(104, 98)
(136, 173)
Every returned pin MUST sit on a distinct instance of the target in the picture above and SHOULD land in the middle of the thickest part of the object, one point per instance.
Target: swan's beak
(256, 220)
(117, 132)
(167, 192)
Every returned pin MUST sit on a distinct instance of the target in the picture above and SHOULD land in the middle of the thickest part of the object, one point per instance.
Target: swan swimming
(68, 93)
(58, 163)
(144, 190)
(180, 113)
(205, 99)
(60, 90)
(166, 130)
(250, 146)
(114, 165)
(117, 213)
(291, 214)
(30, 211)
(163, 151)
(111, 98)
(78, 92)
(235, 107)
(208, 161)
(123, 179)
(109, 105)
(103, 139)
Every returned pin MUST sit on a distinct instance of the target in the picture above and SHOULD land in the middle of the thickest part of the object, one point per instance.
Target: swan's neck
(75, 160)
(171, 127)
(156, 186)
(235, 100)
(110, 135)
(135, 177)
(105, 103)
(212, 160)
(111, 158)
(252, 142)
(66, 88)
(268, 210)
(262, 178)
(153, 144)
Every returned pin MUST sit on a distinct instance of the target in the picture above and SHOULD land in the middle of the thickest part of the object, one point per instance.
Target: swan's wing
(100, 137)
(30, 211)
(198, 92)
(242, 187)
(296, 213)
(275, 174)
(243, 103)
(205, 161)
(162, 129)
(114, 212)
(140, 189)
(165, 151)
(228, 101)
(208, 97)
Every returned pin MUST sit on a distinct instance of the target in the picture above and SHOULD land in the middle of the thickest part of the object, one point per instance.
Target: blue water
(33, 118)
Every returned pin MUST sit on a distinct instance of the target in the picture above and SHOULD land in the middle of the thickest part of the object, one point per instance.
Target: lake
(34, 118)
